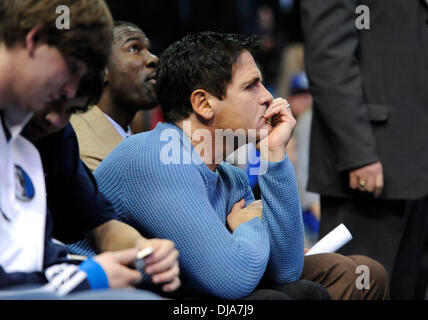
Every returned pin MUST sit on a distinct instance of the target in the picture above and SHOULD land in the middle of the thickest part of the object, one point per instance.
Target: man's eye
(251, 85)
(133, 49)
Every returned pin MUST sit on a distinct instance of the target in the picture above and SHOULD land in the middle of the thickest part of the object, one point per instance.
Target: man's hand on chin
(280, 128)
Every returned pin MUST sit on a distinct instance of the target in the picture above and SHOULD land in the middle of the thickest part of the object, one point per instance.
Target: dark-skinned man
(129, 87)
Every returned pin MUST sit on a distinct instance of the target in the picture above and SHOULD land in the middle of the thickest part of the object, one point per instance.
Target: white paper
(332, 241)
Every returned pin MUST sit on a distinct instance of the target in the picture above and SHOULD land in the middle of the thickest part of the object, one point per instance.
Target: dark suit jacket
(370, 91)
(73, 197)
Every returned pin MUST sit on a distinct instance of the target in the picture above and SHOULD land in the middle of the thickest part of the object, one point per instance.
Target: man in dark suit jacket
(369, 146)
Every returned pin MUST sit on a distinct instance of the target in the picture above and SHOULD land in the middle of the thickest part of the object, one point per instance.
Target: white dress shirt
(119, 128)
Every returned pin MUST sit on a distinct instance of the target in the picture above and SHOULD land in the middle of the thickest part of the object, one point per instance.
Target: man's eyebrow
(143, 39)
(133, 34)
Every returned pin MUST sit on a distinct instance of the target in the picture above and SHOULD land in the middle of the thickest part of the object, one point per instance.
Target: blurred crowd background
(275, 21)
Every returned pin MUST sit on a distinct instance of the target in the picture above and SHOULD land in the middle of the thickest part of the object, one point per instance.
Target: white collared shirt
(22, 222)
(119, 128)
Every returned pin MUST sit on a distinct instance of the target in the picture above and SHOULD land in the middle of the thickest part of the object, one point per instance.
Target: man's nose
(266, 98)
(151, 60)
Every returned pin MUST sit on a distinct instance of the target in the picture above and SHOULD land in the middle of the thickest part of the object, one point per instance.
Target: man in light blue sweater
(172, 182)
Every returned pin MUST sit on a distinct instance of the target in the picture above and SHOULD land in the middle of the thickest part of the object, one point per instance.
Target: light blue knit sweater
(188, 204)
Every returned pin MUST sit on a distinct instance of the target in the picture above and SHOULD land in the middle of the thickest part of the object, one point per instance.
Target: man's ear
(200, 104)
(32, 38)
(106, 77)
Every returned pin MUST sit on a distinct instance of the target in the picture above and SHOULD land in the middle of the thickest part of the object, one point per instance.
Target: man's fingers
(135, 277)
(256, 203)
(276, 107)
(353, 181)
(168, 275)
(377, 192)
(370, 184)
(163, 264)
(124, 277)
(125, 257)
(172, 286)
(379, 180)
(269, 114)
(116, 267)
(378, 185)
(161, 249)
(362, 183)
(368, 178)
(239, 205)
(280, 110)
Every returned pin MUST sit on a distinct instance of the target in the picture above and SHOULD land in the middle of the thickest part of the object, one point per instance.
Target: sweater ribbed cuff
(273, 167)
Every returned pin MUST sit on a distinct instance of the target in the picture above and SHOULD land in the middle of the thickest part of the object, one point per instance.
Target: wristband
(96, 276)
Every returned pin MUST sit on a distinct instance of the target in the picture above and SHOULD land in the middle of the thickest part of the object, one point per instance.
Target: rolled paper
(332, 241)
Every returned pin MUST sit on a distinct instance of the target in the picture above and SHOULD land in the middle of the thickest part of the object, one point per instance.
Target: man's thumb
(239, 205)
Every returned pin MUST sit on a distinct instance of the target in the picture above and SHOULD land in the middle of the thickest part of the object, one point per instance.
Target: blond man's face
(47, 77)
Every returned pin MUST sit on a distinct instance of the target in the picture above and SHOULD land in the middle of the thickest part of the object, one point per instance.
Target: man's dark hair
(121, 23)
(197, 61)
